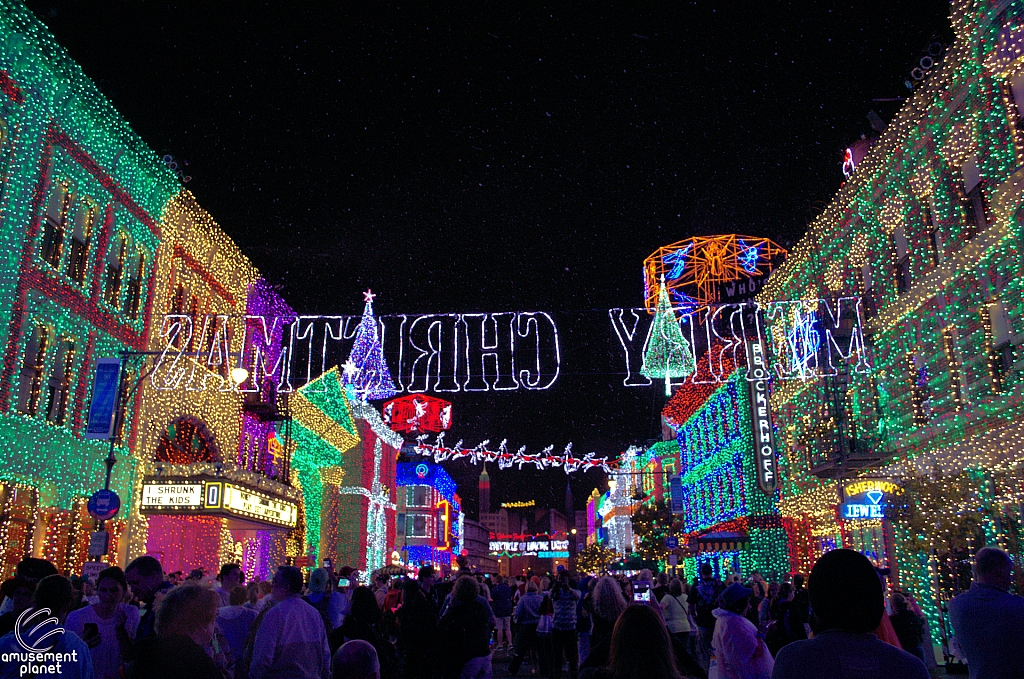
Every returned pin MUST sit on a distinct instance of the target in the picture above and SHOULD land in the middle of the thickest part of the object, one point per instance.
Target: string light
(505, 459)
(719, 486)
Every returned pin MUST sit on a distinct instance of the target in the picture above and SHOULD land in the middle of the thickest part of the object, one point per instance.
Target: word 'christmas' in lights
(545, 459)
(438, 352)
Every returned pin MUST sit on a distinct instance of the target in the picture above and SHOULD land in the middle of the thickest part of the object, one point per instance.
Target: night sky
(498, 157)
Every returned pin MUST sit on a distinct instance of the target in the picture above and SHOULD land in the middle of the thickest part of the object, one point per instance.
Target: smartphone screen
(641, 591)
(342, 582)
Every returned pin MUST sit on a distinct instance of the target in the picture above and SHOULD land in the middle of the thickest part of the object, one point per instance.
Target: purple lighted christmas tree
(366, 369)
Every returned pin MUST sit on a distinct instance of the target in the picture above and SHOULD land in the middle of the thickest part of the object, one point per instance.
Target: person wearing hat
(738, 650)
(847, 603)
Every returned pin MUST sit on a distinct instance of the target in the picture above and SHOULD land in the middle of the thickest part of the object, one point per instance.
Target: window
(186, 441)
(932, 229)
(84, 221)
(1017, 93)
(918, 388)
(136, 272)
(417, 496)
(416, 526)
(1000, 349)
(953, 361)
(58, 387)
(903, 280)
(56, 224)
(32, 371)
(974, 206)
(115, 270)
(178, 303)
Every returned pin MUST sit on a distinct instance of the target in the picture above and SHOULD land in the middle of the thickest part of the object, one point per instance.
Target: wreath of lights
(506, 459)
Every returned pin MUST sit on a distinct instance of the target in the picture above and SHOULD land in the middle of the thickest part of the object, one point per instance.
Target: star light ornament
(668, 354)
(366, 370)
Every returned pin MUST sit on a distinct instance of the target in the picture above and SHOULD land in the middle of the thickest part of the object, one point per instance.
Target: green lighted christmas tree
(668, 354)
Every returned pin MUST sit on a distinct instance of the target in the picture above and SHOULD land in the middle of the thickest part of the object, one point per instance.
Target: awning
(725, 541)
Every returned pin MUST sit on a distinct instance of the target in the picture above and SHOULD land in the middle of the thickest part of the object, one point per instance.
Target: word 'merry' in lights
(506, 459)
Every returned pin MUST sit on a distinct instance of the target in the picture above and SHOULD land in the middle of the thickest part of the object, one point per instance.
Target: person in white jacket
(738, 650)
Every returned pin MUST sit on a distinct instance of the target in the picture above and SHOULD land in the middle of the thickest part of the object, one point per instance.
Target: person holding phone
(107, 626)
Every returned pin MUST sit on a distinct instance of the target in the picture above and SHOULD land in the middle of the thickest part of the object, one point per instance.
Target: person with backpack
(674, 607)
(466, 630)
(703, 604)
(320, 596)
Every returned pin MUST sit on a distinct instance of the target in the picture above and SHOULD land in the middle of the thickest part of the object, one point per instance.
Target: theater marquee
(204, 496)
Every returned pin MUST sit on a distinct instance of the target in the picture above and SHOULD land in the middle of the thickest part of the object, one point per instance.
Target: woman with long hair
(640, 648)
(605, 605)
(364, 623)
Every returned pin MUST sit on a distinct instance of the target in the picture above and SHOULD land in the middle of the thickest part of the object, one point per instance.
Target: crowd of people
(141, 623)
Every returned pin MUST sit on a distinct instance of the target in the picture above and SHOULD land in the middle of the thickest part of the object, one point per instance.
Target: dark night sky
(500, 156)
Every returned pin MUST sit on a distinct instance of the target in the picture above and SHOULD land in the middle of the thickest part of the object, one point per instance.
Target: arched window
(56, 224)
(32, 371)
(136, 272)
(115, 270)
(58, 387)
(85, 218)
(186, 441)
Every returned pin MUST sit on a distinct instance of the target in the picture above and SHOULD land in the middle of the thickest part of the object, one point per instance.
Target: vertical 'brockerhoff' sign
(761, 418)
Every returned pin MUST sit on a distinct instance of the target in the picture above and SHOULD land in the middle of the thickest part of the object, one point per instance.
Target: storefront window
(18, 505)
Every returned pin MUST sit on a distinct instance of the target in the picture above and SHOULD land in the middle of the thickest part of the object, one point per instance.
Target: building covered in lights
(917, 462)
(430, 519)
(80, 218)
(728, 521)
(192, 438)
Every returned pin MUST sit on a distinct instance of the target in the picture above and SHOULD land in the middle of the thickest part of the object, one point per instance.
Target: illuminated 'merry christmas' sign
(802, 339)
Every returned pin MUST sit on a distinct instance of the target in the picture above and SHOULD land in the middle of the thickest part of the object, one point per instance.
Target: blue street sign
(104, 505)
(671, 542)
(105, 384)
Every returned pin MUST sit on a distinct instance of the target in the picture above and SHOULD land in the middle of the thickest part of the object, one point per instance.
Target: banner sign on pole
(761, 419)
(105, 384)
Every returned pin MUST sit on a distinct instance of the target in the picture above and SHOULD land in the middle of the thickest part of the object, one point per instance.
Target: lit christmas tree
(366, 370)
(668, 354)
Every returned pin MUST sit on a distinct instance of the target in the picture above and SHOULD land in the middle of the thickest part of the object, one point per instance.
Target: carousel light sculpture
(694, 269)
